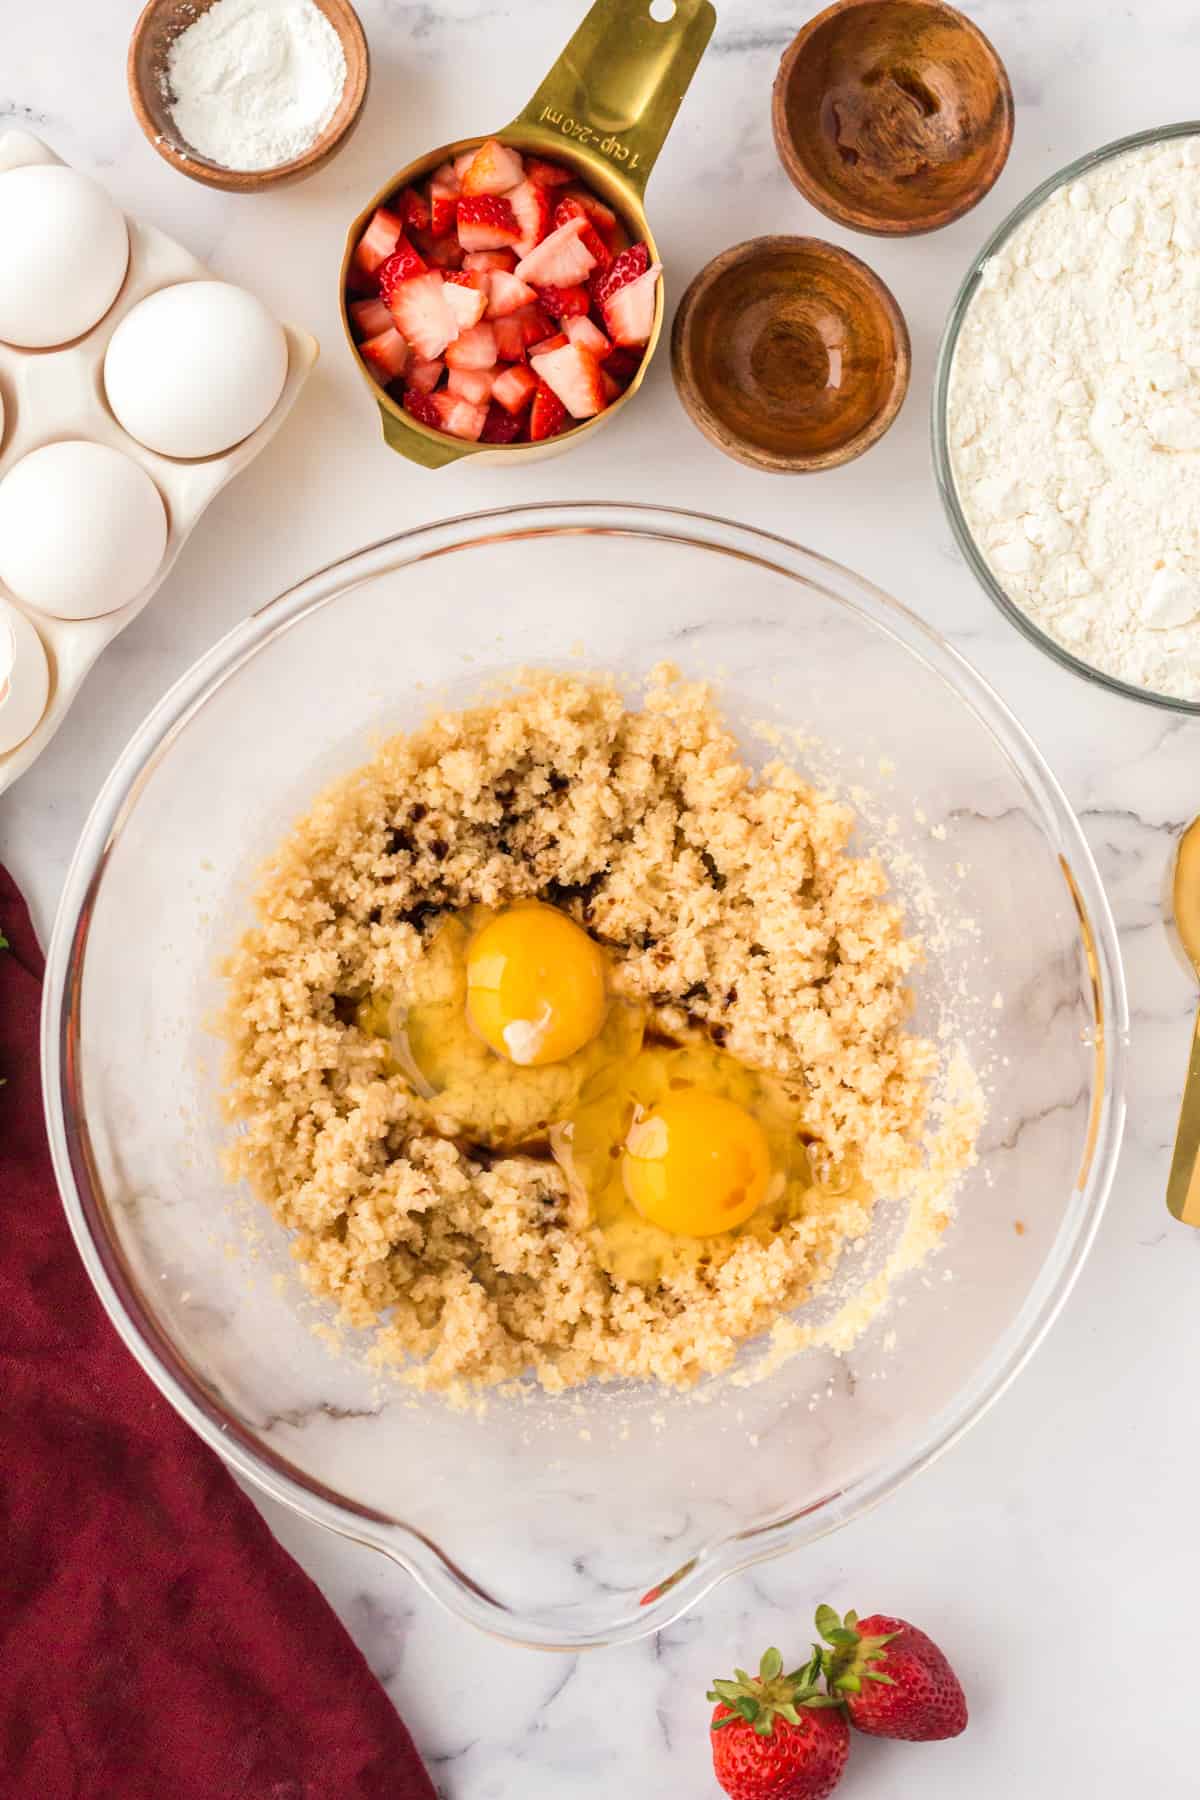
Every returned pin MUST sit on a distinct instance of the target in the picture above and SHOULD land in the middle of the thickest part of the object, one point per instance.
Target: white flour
(1074, 417)
(253, 83)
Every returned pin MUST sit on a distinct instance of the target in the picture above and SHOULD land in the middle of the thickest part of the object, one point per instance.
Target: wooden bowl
(161, 22)
(790, 354)
(892, 116)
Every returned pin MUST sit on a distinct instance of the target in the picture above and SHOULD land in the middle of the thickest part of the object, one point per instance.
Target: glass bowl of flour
(1066, 417)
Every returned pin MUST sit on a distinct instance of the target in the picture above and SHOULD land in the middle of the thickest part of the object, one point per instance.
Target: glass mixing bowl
(600, 1515)
(942, 460)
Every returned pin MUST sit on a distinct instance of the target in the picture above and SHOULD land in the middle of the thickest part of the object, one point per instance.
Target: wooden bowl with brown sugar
(892, 116)
(161, 22)
(790, 354)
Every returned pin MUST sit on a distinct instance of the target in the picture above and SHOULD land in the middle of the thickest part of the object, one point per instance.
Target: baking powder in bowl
(1074, 417)
(253, 83)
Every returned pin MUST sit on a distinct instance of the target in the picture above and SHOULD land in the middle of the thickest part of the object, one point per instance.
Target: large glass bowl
(601, 1515)
(942, 462)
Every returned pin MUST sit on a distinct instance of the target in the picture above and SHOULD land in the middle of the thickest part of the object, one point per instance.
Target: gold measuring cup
(1183, 1183)
(604, 110)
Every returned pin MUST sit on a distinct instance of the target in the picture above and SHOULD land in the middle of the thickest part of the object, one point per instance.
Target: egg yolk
(697, 1164)
(537, 987)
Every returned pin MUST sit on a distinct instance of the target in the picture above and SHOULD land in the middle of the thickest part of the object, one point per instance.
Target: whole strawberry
(777, 1736)
(895, 1681)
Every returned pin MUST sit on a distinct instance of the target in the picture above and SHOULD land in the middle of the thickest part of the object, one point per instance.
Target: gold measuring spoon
(1183, 1183)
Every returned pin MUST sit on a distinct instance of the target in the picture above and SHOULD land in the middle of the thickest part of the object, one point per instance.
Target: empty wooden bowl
(161, 22)
(790, 354)
(892, 116)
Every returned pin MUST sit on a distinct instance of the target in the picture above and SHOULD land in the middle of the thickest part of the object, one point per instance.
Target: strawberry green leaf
(809, 1673)
(771, 1665)
(827, 1622)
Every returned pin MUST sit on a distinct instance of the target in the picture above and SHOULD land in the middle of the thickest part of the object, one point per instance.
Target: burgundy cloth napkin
(155, 1640)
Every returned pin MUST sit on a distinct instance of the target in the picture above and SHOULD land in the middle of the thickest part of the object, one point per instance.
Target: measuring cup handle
(618, 84)
(1183, 1185)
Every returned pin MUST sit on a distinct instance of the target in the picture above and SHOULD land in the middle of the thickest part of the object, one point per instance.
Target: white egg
(82, 529)
(66, 249)
(24, 677)
(193, 369)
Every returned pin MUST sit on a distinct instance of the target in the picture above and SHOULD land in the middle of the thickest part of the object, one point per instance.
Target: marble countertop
(1035, 1549)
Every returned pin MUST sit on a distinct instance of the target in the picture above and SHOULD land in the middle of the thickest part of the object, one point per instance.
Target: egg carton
(50, 395)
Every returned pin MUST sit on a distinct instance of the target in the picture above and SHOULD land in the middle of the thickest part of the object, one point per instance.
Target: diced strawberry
(629, 313)
(468, 278)
(587, 335)
(612, 388)
(400, 266)
(493, 169)
(422, 406)
(462, 163)
(546, 173)
(468, 304)
(547, 416)
(474, 349)
(570, 207)
(535, 324)
(514, 388)
(559, 260)
(551, 343)
(369, 317)
(414, 210)
(564, 302)
(385, 355)
(420, 309)
(510, 338)
(499, 427)
(444, 190)
(506, 294)
(487, 222)
(622, 364)
(423, 377)
(574, 375)
(532, 205)
(628, 266)
(458, 417)
(474, 385)
(486, 260)
(377, 241)
(601, 217)
(446, 253)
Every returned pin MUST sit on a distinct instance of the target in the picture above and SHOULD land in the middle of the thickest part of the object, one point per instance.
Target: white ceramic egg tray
(50, 395)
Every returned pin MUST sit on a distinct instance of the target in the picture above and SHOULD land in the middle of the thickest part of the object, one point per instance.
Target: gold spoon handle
(1183, 1184)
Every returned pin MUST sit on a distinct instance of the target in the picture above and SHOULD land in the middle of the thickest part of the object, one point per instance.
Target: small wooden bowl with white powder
(247, 94)
(1067, 417)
